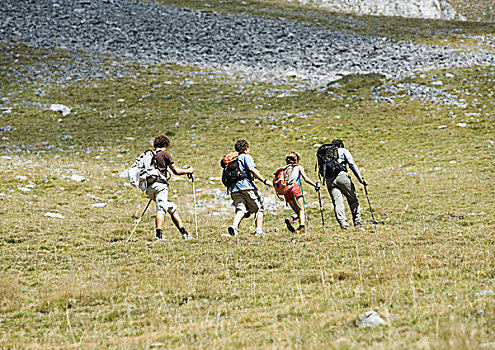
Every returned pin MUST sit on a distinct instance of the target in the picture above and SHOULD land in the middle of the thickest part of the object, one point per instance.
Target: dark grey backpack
(328, 161)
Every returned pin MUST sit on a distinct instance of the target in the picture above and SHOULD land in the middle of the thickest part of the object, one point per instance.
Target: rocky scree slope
(260, 48)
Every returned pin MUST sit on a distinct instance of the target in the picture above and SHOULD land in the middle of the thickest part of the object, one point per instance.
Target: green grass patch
(74, 282)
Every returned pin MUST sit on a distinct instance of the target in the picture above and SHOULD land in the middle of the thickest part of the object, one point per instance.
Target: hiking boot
(344, 227)
(360, 228)
(159, 239)
(302, 229)
(289, 222)
(187, 236)
(233, 231)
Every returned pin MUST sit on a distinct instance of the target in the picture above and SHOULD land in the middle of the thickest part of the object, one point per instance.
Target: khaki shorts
(159, 193)
(247, 202)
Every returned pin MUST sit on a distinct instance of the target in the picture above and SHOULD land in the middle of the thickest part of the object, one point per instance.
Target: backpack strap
(244, 171)
(167, 175)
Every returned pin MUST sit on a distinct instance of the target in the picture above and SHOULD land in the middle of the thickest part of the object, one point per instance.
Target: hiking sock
(183, 231)
(159, 232)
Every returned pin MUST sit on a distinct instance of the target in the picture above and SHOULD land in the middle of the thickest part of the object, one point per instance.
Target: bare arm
(178, 171)
(305, 177)
(258, 175)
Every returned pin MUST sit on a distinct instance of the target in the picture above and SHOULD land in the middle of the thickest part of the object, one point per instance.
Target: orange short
(294, 193)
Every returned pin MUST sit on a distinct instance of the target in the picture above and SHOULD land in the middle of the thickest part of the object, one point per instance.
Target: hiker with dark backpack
(239, 171)
(156, 185)
(287, 182)
(333, 159)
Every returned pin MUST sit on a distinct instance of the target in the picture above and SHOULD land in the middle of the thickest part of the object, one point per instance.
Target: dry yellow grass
(74, 283)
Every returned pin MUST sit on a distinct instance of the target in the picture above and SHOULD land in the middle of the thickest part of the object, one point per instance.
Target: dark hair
(338, 143)
(241, 145)
(161, 141)
(292, 158)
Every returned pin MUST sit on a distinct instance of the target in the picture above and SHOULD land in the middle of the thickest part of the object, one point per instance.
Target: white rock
(54, 215)
(442, 127)
(24, 189)
(370, 319)
(462, 125)
(60, 108)
(437, 83)
(484, 292)
(6, 157)
(99, 205)
(21, 177)
(78, 178)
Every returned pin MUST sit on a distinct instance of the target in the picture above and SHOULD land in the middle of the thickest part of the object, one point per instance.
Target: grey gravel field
(256, 47)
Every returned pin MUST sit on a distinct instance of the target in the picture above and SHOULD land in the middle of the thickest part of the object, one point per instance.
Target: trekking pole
(262, 201)
(371, 210)
(304, 203)
(321, 211)
(191, 176)
(139, 220)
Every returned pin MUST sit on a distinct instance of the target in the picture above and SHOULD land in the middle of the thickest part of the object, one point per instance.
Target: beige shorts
(159, 193)
(247, 201)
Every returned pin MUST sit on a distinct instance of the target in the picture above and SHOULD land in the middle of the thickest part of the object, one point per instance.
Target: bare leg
(160, 220)
(237, 219)
(176, 219)
(259, 220)
(298, 209)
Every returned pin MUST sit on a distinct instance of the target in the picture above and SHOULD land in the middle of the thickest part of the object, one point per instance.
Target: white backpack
(144, 171)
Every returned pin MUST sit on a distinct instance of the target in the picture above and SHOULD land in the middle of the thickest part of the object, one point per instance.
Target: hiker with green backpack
(287, 182)
(333, 159)
(149, 173)
(239, 172)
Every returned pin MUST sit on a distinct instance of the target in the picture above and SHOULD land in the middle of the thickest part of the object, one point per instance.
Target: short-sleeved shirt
(163, 161)
(245, 162)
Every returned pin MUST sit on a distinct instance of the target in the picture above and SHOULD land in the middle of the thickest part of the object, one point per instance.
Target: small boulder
(54, 215)
(60, 108)
(369, 319)
(78, 178)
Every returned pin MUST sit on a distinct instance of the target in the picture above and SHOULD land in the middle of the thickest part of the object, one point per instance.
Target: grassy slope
(75, 283)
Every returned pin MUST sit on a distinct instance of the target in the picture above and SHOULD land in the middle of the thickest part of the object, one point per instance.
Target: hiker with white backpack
(149, 173)
(287, 182)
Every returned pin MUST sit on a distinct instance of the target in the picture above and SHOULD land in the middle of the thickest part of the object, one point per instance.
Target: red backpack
(283, 181)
